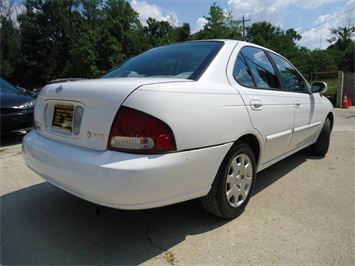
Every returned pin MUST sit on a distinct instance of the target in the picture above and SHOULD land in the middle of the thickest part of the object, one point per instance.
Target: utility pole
(244, 20)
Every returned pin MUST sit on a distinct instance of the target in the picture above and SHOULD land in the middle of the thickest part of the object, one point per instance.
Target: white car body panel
(288, 122)
(206, 117)
(176, 103)
(276, 138)
(308, 119)
(100, 100)
(122, 180)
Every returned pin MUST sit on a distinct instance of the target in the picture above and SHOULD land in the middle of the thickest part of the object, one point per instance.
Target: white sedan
(189, 120)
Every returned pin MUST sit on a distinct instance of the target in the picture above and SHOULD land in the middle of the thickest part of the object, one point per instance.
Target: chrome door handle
(256, 105)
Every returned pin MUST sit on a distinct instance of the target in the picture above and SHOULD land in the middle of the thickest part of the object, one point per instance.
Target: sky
(310, 18)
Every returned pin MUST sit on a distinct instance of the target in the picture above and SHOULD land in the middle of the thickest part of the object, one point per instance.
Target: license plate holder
(63, 117)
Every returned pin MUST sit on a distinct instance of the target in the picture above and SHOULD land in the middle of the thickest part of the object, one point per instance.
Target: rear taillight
(137, 132)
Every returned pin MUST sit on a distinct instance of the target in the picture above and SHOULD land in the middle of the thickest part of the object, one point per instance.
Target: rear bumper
(122, 180)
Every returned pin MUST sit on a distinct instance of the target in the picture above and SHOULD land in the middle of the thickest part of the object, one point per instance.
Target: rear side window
(254, 69)
(242, 73)
(290, 76)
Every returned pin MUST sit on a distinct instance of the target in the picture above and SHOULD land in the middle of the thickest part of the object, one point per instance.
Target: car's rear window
(184, 60)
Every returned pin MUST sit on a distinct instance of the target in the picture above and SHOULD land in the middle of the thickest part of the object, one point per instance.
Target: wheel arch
(331, 119)
(254, 144)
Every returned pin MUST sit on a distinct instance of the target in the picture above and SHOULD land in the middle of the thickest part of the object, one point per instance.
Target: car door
(270, 108)
(306, 105)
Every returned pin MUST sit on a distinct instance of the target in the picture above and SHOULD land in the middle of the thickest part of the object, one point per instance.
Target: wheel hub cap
(239, 180)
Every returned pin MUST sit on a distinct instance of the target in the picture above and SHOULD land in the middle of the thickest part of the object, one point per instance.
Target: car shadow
(270, 175)
(13, 138)
(44, 225)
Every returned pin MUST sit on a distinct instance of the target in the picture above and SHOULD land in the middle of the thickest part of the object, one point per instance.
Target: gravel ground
(301, 213)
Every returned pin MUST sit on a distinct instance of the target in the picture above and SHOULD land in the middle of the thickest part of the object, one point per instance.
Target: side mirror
(319, 87)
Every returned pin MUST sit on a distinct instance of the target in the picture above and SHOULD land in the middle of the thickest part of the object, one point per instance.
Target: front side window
(184, 60)
(254, 69)
(291, 78)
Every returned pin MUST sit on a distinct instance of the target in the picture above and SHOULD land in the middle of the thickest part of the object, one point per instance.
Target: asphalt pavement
(302, 213)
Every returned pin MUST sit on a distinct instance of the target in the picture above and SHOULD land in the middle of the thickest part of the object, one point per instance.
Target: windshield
(183, 60)
(7, 87)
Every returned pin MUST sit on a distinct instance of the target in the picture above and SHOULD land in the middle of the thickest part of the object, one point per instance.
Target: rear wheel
(234, 183)
(322, 144)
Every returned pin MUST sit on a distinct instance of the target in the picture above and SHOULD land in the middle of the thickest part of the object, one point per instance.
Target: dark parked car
(17, 106)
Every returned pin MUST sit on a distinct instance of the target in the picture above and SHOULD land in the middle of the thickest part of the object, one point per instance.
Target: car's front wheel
(234, 183)
(322, 144)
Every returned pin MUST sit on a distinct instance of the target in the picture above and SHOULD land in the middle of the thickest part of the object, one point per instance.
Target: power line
(287, 9)
(347, 11)
(273, 16)
(255, 7)
(260, 10)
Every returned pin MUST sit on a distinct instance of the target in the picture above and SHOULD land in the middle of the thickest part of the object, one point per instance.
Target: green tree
(10, 42)
(272, 37)
(322, 61)
(83, 52)
(84, 38)
(120, 21)
(159, 32)
(344, 36)
(85, 30)
(302, 60)
(91, 11)
(343, 49)
(349, 58)
(220, 25)
(183, 33)
(45, 39)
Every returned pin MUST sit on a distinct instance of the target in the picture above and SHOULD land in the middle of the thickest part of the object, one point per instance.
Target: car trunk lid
(81, 113)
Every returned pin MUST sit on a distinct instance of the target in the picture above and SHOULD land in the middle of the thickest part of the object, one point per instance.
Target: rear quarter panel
(199, 114)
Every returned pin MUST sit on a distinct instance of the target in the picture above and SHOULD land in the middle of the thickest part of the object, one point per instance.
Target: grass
(170, 258)
(332, 85)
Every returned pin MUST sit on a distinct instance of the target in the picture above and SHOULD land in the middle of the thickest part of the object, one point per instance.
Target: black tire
(228, 197)
(321, 146)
